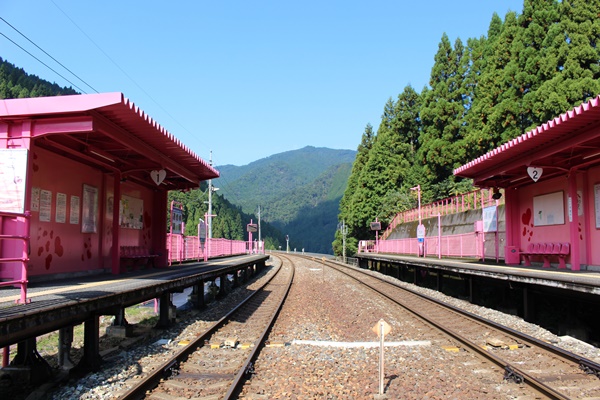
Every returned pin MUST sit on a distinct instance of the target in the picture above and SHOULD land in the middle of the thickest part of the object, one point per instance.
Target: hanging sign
(158, 176)
(535, 173)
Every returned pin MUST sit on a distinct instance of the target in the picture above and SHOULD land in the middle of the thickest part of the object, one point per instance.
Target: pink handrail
(473, 200)
(22, 281)
(185, 248)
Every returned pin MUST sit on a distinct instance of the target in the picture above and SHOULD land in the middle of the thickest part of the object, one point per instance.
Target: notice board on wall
(549, 209)
(13, 172)
(597, 204)
(131, 212)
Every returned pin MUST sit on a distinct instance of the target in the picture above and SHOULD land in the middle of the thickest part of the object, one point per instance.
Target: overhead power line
(46, 53)
(123, 71)
(43, 63)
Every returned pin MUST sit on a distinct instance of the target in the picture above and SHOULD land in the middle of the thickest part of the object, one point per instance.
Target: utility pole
(344, 232)
(209, 216)
(259, 225)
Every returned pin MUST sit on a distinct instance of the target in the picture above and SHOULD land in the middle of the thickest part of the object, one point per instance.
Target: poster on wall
(13, 173)
(549, 209)
(131, 212)
(89, 210)
(74, 213)
(45, 205)
(61, 208)
(597, 204)
(35, 199)
(579, 205)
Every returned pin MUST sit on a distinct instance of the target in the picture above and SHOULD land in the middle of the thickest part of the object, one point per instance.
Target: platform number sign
(252, 228)
(535, 173)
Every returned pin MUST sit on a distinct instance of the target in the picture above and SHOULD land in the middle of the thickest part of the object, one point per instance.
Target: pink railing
(186, 248)
(474, 200)
(17, 258)
(468, 245)
(225, 247)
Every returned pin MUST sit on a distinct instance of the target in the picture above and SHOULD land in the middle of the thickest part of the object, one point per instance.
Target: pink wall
(592, 232)
(527, 232)
(129, 236)
(58, 247)
(61, 247)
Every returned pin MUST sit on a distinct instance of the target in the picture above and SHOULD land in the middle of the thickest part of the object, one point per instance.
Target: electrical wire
(124, 73)
(46, 53)
(41, 62)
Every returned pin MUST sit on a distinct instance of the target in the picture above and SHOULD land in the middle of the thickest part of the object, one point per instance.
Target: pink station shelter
(551, 181)
(81, 177)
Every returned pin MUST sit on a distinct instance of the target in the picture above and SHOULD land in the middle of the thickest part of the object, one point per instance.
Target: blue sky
(245, 79)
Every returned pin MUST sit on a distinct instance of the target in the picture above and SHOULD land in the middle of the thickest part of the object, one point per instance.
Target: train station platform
(60, 303)
(579, 281)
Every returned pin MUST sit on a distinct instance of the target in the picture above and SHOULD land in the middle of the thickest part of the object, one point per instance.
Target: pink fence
(187, 248)
(463, 245)
(225, 247)
(474, 200)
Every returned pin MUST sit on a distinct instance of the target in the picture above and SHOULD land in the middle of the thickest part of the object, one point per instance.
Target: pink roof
(569, 141)
(117, 118)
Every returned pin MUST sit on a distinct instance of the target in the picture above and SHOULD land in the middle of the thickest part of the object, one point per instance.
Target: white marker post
(382, 328)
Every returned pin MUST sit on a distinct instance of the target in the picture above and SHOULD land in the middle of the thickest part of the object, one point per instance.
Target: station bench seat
(547, 250)
(136, 255)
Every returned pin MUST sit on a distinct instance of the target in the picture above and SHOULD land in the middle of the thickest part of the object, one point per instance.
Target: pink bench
(547, 250)
(136, 253)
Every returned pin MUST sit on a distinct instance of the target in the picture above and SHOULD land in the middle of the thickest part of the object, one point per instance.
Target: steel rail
(167, 367)
(588, 366)
(236, 386)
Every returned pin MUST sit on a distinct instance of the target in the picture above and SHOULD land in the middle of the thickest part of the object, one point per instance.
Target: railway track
(216, 363)
(551, 371)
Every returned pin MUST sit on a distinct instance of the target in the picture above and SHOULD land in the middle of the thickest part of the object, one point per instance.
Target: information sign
(490, 219)
(252, 228)
(421, 233)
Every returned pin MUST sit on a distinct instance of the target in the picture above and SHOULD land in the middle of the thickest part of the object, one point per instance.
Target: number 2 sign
(535, 173)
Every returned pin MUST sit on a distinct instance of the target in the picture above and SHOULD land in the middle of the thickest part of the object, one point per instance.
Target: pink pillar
(115, 253)
(573, 225)
(587, 210)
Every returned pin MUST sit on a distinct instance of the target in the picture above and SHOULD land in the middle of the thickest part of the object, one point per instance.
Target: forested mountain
(298, 191)
(16, 83)
(229, 221)
(528, 68)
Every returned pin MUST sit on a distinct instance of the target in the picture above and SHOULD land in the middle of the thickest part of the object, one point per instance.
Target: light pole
(420, 228)
(418, 189)
(287, 243)
(211, 189)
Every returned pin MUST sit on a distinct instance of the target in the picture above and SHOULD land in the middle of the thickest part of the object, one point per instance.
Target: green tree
(443, 112)
(571, 64)
(349, 204)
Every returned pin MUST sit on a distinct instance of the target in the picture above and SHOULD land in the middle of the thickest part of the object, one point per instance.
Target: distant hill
(298, 191)
(16, 83)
